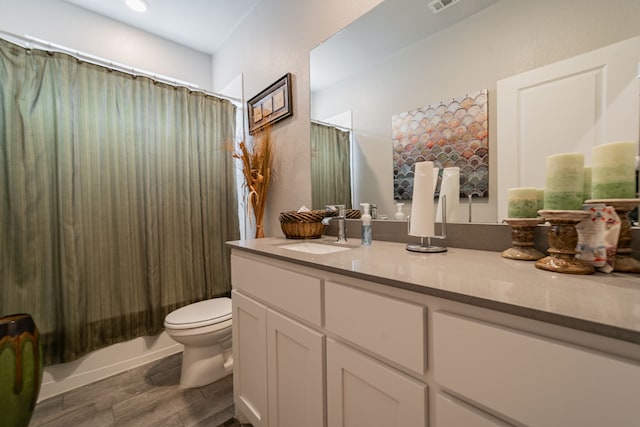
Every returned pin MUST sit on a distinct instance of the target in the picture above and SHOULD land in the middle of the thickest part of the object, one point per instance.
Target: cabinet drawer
(295, 293)
(389, 327)
(531, 379)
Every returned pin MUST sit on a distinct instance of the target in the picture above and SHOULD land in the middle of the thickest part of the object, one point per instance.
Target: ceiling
(202, 25)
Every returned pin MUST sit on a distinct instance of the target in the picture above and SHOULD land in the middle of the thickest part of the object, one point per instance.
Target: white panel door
(568, 106)
(249, 329)
(295, 373)
(364, 393)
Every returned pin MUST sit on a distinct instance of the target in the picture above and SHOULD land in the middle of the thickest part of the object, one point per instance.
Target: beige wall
(275, 39)
(507, 38)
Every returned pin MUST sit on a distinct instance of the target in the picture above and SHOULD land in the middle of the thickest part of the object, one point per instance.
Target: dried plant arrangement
(257, 169)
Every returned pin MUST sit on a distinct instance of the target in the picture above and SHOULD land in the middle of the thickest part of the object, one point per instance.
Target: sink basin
(315, 248)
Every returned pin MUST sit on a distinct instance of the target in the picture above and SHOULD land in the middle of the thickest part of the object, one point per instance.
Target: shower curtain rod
(29, 42)
(331, 125)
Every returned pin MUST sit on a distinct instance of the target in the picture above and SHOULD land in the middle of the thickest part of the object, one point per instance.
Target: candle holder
(563, 239)
(624, 262)
(522, 234)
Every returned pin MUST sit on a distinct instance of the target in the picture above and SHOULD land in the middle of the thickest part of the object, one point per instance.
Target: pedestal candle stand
(624, 262)
(563, 239)
(522, 235)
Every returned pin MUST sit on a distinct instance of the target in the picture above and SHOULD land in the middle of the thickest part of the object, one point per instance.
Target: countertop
(604, 304)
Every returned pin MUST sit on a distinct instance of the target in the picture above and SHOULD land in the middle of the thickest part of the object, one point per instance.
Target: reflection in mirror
(330, 165)
(400, 56)
(573, 105)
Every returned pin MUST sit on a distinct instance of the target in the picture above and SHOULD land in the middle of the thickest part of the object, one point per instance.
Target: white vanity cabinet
(315, 347)
(278, 361)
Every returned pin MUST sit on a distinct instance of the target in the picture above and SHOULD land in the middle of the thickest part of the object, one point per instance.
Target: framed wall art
(454, 132)
(270, 105)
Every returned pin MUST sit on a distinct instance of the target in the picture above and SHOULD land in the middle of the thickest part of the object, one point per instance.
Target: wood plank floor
(149, 395)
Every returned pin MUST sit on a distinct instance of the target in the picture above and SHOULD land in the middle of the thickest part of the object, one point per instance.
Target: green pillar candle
(523, 202)
(587, 183)
(540, 198)
(564, 187)
(613, 172)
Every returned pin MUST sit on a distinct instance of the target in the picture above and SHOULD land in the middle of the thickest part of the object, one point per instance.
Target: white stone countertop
(604, 304)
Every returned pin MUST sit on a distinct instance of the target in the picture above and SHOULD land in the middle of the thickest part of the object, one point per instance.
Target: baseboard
(104, 363)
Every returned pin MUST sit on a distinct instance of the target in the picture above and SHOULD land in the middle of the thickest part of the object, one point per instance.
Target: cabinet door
(362, 392)
(250, 359)
(295, 366)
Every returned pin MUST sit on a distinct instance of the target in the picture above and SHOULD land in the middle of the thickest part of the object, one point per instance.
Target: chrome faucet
(342, 224)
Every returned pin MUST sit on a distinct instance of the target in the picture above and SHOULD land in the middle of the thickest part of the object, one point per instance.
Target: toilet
(204, 328)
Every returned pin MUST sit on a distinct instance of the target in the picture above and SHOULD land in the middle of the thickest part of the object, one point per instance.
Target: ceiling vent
(438, 6)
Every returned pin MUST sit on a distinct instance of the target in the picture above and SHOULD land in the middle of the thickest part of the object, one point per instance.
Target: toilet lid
(203, 313)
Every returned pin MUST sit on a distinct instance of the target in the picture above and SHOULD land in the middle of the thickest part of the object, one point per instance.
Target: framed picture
(270, 105)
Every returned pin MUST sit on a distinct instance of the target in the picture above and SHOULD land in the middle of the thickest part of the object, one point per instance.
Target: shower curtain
(116, 197)
(330, 166)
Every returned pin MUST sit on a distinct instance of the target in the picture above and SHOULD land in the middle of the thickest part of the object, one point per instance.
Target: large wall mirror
(401, 56)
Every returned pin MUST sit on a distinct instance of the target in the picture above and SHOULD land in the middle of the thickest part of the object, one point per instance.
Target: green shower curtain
(116, 198)
(330, 166)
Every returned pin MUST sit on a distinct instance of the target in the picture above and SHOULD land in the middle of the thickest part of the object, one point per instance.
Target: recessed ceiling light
(138, 5)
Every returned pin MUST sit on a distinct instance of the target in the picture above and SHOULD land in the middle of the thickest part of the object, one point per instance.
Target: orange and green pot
(20, 369)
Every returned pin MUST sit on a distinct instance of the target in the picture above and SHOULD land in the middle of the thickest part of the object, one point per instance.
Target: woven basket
(302, 225)
(351, 213)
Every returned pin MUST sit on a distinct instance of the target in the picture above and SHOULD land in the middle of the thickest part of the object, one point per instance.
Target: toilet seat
(200, 314)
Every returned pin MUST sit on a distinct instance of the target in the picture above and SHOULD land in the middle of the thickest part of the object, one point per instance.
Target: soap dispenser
(399, 213)
(366, 225)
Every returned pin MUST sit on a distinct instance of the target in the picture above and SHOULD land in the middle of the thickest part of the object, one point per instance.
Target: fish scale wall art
(451, 133)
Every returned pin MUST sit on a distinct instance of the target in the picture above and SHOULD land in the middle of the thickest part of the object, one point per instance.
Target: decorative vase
(20, 369)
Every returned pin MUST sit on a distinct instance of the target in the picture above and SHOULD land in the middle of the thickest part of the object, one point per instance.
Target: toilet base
(200, 368)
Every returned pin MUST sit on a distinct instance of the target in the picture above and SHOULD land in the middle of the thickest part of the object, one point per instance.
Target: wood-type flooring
(149, 395)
